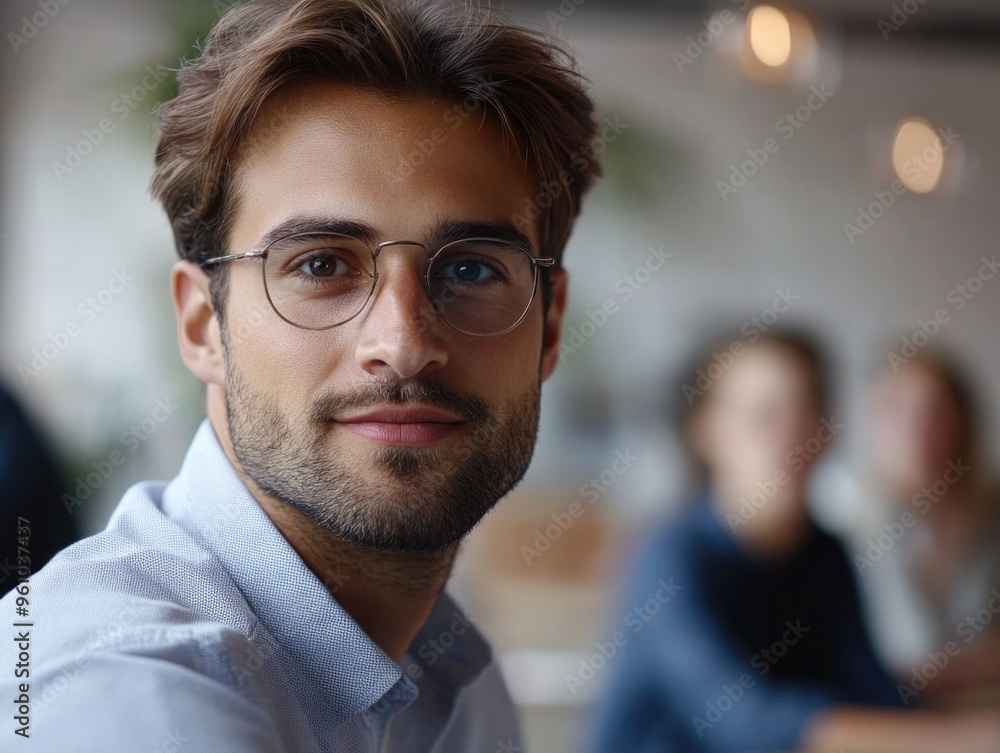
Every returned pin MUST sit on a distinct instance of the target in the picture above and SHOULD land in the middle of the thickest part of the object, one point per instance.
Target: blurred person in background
(928, 547)
(36, 523)
(763, 647)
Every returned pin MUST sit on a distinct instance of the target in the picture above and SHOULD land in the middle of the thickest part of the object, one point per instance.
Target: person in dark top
(759, 644)
(31, 488)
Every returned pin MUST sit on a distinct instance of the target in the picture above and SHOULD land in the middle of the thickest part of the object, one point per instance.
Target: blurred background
(827, 165)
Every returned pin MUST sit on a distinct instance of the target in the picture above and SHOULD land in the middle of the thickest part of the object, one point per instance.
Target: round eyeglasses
(318, 280)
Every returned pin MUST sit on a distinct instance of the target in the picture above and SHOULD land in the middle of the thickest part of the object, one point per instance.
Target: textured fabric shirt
(743, 654)
(191, 624)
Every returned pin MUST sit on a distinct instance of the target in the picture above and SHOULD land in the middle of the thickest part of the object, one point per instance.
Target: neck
(390, 594)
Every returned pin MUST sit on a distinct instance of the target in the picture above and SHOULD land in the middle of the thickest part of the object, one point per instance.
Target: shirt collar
(449, 648)
(334, 661)
(339, 668)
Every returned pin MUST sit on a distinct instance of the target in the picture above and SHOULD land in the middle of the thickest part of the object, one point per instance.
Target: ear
(198, 334)
(552, 332)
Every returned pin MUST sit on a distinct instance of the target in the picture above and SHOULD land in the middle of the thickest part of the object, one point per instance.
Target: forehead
(326, 150)
(915, 382)
(766, 370)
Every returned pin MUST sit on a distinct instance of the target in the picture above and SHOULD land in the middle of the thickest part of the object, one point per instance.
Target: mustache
(379, 393)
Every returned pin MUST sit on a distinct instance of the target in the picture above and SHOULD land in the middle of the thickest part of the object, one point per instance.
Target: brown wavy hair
(408, 50)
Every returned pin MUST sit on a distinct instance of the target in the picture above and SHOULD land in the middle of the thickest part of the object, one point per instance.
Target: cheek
(498, 370)
(284, 362)
(495, 369)
(510, 363)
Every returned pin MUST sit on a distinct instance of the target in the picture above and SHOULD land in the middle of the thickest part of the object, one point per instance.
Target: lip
(403, 414)
(404, 425)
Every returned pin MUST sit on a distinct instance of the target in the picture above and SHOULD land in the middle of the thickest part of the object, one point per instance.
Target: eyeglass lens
(480, 285)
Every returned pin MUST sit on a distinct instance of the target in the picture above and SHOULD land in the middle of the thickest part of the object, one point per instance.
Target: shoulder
(131, 696)
(143, 586)
(685, 556)
(688, 540)
(139, 626)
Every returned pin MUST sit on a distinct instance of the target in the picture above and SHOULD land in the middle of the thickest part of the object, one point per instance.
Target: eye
(468, 270)
(325, 264)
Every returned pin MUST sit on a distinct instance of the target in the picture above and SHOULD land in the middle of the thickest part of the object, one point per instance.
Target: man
(763, 647)
(379, 191)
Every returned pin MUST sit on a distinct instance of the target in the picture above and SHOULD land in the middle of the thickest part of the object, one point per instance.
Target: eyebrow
(444, 232)
(456, 230)
(297, 225)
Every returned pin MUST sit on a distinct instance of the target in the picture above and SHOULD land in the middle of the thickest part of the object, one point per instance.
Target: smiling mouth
(405, 425)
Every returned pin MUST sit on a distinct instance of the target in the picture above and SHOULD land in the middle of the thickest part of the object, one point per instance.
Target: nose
(401, 334)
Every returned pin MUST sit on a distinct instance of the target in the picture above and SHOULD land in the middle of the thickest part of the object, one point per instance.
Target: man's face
(456, 416)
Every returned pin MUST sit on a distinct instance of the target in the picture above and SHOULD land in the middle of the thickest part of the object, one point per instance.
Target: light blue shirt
(190, 624)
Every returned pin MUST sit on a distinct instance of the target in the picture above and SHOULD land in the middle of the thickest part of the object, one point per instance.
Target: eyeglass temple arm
(540, 261)
(231, 257)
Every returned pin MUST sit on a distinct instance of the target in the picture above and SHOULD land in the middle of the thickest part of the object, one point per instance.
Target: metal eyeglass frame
(261, 253)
